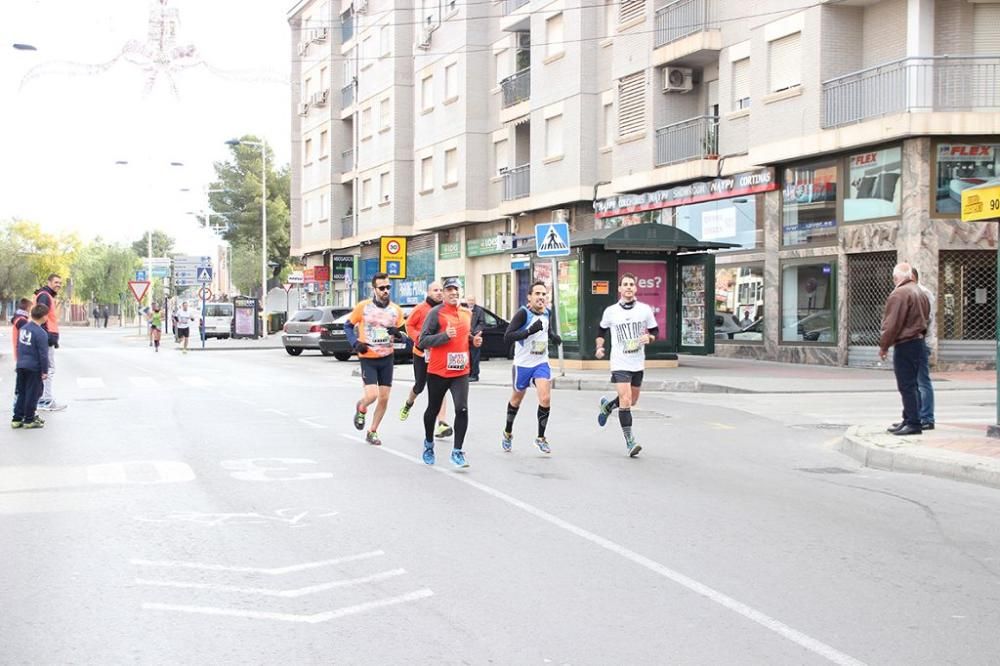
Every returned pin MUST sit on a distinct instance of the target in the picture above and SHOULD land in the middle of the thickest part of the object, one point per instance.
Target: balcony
(692, 139)
(511, 6)
(686, 32)
(347, 96)
(347, 226)
(517, 182)
(938, 83)
(516, 87)
(347, 161)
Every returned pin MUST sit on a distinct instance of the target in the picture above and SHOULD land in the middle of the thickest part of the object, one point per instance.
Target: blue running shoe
(542, 445)
(458, 458)
(507, 441)
(604, 413)
(429, 453)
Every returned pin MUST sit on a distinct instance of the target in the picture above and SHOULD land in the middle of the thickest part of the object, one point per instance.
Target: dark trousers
(907, 358)
(474, 354)
(29, 390)
(437, 388)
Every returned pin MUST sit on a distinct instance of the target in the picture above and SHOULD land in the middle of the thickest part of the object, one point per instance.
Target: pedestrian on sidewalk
(96, 312)
(105, 313)
(924, 376)
(32, 368)
(414, 324)
(478, 325)
(631, 326)
(371, 328)
(904, 326)
(48, 296)
(531, 332)
(184, 317)
(21, 317)
(447, 333)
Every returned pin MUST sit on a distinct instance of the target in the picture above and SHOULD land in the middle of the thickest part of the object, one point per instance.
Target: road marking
(140, 472)
(274, 571)
(724, 600)
(721, 426)
(292, 517)
(289, 617)
(191, 380)
(143, 382)
(271, 469)
(90, 382)
(309, 422)
(266, 592)
(276, 411)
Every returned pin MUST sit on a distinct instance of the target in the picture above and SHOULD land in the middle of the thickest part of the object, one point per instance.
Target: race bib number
(457, 360)
(631, 346)
(379, 335)
(539, 346)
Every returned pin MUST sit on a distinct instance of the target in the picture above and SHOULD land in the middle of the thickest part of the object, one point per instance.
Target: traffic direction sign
(138, 289)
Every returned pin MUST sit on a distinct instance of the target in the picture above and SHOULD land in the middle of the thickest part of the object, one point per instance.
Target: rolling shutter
(630, 9)
(741, 84)
(785, 62)
(632, 104)
(986, 34)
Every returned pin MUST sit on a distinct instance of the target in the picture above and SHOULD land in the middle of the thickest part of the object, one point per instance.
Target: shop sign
(600, 287)
(308, 274)
(981, 203)
(741, 184)
(519, 262)
(477, 247)
(342, 264)
(450, 250)
(964, 152)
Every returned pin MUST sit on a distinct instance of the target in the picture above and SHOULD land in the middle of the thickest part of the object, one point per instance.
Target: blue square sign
(393, 268)
(552, 239)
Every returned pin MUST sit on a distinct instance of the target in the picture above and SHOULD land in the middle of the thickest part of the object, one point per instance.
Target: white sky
(61, 134)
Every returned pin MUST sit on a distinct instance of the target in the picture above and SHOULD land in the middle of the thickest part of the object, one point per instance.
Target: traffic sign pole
(552, 240)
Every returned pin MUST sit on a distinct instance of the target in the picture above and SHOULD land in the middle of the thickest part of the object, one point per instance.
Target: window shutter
(986, 37)
(785, 64)
(741, 84)
(632, 104)
(630, 9)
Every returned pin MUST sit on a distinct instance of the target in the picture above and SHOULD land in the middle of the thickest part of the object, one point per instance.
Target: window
(554, 136)
(739, 303)
(366, 121)
(809, 195)
(427, 93)
(322, 79)
(502, 62)
(500, 156)
(632, 104)
(366, 193)
(384, 113)
(608, 126)
(631, 9)
(451, 81)
(451, 166)
(427, 174)
(874, 186)
(306, 211)
(986, 30)
(384, 187)
(785, 63)
(962, 165)
(366, 53)
(724, 220)
(324, 144)
(324, 214)
(496, 293)
(807, 303)
(385, 40)
(554, 35)
(741, 84)
(308, 89)
(307, 156)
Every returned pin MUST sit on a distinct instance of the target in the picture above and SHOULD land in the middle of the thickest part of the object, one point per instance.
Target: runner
(530, 332)
(447, 335)
(414, 323)
(632, 325)
(371, 328)
(155, 326)
(184, 318)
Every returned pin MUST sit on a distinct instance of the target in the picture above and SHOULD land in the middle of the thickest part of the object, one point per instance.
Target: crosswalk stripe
(143, 382)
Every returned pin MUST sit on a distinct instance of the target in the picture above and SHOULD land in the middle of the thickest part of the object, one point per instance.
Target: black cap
(451, 283)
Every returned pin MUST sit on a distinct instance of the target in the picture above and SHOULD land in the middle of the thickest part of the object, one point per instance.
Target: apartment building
(826, 139)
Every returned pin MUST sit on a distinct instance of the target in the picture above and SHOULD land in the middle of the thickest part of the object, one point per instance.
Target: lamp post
(263, 224)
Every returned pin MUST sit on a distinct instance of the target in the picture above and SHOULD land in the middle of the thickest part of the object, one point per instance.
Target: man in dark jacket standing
(478, 324)
(48, 296)
(904, 325)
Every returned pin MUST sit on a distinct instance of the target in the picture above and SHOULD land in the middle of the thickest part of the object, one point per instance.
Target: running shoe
(507, 441)
(373, 439)
(32, 424)
(359, 417)
(429, 453)
(52, 406)
(604, 413)
(404, 411)
(542, 445)
(443, 430)
(16, 424)
(458, 458)
(633, 447)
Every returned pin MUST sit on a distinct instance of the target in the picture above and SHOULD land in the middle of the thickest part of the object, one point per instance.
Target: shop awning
(645, 237)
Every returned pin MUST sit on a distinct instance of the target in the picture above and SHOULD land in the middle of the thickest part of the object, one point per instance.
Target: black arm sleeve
(514, 331)
(429, 334)
(603, 332)
(655, 331)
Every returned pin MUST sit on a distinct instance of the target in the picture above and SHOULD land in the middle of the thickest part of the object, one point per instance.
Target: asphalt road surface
(219, 508)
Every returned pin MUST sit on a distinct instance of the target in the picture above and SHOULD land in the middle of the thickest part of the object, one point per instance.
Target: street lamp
(263, 223)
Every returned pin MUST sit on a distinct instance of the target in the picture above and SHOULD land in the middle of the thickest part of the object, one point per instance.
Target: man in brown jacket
(904, 325)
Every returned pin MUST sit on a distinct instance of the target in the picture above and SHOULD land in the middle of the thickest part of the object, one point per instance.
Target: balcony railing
(692, 139)
(682, 18)
(346, 27)
(516, 87)
(348, 160)
(347, 226)
(347, 96)
(511, 6)
(517, 182)
(939, 83)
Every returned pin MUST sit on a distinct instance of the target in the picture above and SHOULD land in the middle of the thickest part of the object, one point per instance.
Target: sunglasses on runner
(384, 287)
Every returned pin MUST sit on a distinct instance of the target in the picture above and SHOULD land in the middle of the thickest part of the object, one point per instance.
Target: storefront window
(496, 294)
(875, 189)
(724, 220)
(960, 166)
(809, 194)
(659, 216)
(807, 303)
(568, 305)
(739, 303)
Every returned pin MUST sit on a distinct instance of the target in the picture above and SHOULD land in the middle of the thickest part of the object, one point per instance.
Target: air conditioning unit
(304, 108)
(318, 34)
(361, 7)
(319, 98)
(424, 38)
(678, 79)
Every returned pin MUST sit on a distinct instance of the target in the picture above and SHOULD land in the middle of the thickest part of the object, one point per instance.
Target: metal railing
(346, 27)
(516, 87)
(347, 226)
(692, 139)
(938, 83)
(348, 160)
(347, 96)
(517, 182)
(682, 18)
(511, 6)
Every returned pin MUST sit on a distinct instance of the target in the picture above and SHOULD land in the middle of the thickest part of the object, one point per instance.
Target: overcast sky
(62, 131)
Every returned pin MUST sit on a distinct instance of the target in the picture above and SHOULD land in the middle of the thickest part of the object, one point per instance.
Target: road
(218, 508)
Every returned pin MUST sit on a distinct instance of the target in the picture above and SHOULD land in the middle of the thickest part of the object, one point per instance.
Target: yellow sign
(392, 258)
(981, 202)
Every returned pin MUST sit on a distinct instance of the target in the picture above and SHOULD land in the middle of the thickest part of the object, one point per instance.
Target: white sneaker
(51, 406)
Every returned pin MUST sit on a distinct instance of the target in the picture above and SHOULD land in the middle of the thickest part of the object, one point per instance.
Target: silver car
(304, 329)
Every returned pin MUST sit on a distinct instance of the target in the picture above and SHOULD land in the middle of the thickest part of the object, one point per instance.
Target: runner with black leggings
(447, 334)
(415, 324)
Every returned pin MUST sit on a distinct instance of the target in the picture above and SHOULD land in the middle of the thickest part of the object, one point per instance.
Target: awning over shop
(645, 238)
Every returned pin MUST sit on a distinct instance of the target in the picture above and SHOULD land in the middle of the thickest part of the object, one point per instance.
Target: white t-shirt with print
(185, 317)
(627, 327)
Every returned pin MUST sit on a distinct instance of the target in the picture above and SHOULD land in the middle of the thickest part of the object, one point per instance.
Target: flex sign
(964, 152)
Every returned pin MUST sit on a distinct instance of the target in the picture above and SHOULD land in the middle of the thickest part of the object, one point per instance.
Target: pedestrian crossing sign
(552, 239)
(205, 274)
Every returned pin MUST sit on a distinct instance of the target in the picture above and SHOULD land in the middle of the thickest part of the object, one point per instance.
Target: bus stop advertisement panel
(246, 322)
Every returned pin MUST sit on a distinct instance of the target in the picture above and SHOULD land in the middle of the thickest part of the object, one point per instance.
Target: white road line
(192, 380)
(309, 422)
(275, 571)
(284, 594)
(143, 382)
(276, 411)
(738, 607)
(289, 617)
(90, 382)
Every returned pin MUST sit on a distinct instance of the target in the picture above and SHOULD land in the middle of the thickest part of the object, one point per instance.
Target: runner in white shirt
(632, 326)
(184, 319)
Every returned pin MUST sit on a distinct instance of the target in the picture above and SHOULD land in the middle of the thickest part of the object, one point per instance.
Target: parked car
(304, 329)
(218, 320)
(726, 324)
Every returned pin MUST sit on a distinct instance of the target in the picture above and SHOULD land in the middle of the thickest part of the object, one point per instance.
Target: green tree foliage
(16, 277)
(162, 245)
(102, 271)
(38, 253)
(245, 268)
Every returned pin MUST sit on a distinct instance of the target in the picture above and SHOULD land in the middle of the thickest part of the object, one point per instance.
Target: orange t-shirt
(450, 357)
(415, 323)
(372, 323)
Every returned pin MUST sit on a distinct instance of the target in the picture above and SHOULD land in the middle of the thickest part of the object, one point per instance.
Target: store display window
(808, 304)
(809, 212)
(959, 166)
(739, 303)
(724, 220)
(875, 185)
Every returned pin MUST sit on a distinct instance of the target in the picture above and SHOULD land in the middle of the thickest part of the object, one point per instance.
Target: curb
(893, 454)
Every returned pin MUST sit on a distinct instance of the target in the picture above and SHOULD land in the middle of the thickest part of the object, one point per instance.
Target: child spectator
(32, 368)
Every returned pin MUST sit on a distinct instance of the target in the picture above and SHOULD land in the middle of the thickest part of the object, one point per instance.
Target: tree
(245, 269)
(40, 253)
(102, 271)
(239, 201)
(162, 245)
(16, 278)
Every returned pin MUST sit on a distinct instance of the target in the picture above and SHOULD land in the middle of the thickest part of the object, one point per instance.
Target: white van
(218, 320)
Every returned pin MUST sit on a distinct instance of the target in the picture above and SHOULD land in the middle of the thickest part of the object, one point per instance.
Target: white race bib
(457, 360)
(379, 335)
(539, 346)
